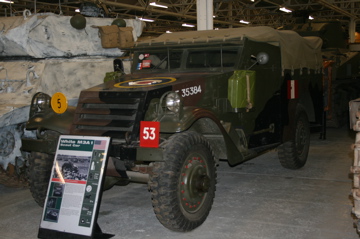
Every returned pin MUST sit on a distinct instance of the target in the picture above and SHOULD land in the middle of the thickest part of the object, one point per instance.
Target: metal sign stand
(75, 189)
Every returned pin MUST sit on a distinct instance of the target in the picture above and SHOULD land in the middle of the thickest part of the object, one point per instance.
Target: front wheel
(183, 187)
(293, 154)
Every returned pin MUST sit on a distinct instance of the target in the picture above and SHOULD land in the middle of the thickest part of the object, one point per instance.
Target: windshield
(185, 59)
(211, 59)
(162, 60)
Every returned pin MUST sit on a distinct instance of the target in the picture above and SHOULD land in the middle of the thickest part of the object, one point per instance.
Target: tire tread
(163, 182)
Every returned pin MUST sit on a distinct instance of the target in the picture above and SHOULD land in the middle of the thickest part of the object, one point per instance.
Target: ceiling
(227, 13)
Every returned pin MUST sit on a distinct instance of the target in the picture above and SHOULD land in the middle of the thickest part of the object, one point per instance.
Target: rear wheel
(293, 154)
(39, 175)
(183, 187)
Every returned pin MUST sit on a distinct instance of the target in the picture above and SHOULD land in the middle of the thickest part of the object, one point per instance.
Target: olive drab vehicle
(192, 99)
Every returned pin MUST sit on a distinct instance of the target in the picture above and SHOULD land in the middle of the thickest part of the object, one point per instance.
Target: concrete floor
(258, 199)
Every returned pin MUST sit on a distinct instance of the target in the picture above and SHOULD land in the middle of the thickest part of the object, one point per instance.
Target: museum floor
(257, 199)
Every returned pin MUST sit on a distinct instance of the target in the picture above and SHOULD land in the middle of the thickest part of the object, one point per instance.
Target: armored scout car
(192, 99)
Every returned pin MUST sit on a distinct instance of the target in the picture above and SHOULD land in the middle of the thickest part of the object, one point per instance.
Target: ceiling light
(245, 22)
(311, 18)
(154, 4)
(187, 25)
(168, 32)
(146, 20)
(284, 9)
(6, 1)
(77, 10)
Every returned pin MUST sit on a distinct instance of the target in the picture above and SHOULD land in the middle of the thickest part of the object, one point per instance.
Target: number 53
(149, 134)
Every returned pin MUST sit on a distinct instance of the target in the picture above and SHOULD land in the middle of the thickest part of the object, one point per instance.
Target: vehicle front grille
(108, 114)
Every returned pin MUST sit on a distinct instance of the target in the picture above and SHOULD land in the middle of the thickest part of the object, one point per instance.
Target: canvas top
(296, 52)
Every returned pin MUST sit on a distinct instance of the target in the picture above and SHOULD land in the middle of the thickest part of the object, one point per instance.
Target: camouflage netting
(43, 36)
(46, 53)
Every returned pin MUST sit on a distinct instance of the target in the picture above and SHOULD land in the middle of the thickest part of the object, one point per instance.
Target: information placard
(74, 191)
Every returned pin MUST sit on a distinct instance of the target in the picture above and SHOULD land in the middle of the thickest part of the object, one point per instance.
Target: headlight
(39, 103)
(173, 102)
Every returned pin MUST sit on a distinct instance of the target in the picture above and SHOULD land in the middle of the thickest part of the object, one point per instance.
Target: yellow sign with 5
(59, 103)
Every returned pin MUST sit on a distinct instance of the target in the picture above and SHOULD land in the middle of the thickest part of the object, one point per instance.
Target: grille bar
(108, 113)
(108, 117)
(104, 128)
(110, 106)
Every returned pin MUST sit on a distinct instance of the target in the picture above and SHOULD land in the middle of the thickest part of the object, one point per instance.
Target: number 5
(59, 103)
(146, 133)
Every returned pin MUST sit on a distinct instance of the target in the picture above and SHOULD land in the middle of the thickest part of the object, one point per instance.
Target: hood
(147, 82)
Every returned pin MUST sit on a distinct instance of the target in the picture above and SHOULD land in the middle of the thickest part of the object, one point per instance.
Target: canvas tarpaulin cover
(296, 52)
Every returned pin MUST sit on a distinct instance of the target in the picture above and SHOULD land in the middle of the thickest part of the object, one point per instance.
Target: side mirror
(262, 58)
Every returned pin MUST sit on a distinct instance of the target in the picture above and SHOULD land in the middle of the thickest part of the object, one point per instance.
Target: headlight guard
(39, 103)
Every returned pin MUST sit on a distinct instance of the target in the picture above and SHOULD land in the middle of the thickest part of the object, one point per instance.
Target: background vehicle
(193, 98)
(341, 71)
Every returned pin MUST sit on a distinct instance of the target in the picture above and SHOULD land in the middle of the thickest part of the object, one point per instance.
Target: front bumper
(39, 145)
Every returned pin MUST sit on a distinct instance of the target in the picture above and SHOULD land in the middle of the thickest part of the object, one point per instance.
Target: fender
(50, 120)
(308, 101)
(190, 116)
